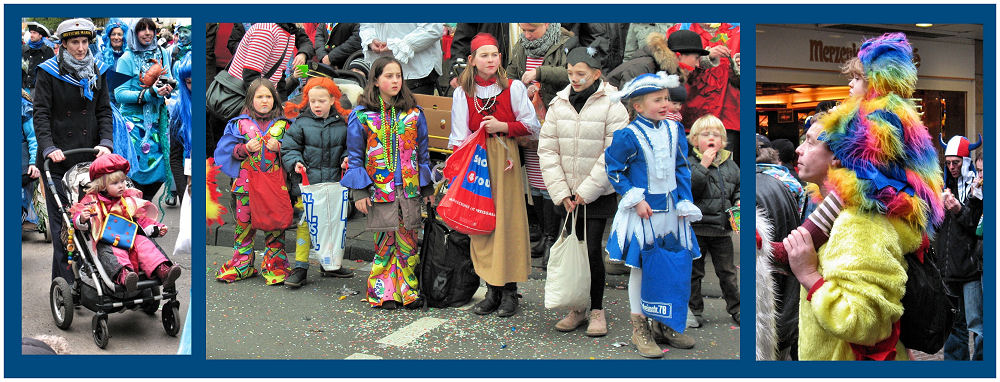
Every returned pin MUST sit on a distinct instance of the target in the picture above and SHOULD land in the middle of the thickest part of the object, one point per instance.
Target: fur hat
(76, 28)
(959, 146)
(888, 64)
(888, 165)
(645, 84)
(107, 164)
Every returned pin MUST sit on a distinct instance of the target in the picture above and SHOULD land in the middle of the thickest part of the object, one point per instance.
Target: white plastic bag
(567, 284)
(325, 209)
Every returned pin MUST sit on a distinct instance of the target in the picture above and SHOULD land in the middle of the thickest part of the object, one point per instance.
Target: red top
(501, 110)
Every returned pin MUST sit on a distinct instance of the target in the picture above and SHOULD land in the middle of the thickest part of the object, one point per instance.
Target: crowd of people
(860, 197)
(572, 123)
(116, 91)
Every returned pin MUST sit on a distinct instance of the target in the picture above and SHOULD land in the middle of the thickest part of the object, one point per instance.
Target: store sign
(802, 47)
(826, 52)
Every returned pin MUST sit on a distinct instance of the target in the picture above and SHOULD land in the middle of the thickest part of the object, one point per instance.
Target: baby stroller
(92, 286)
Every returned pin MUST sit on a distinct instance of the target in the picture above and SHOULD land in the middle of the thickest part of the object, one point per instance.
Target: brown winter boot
(598, 326)
(664, 334)
(643, 339)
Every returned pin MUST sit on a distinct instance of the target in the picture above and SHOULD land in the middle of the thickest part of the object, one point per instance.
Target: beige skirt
(502, 256)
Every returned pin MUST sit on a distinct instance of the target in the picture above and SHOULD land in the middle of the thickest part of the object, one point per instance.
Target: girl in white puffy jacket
(579, 125)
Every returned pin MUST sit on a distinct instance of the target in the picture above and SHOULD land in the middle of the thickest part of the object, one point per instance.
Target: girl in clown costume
(388, 172)
(252, 143)
(647, 165)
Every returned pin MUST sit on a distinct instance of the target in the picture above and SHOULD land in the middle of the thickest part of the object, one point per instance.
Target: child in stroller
(120, 250)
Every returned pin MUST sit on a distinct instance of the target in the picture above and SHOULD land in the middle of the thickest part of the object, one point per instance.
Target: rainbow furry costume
(888, 162)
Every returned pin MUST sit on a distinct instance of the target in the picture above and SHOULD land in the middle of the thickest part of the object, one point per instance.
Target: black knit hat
(678, 93)
(586, 55)
(685, 41)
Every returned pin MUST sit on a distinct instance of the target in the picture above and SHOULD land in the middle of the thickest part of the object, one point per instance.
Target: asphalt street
(329, 319)
(132, 332)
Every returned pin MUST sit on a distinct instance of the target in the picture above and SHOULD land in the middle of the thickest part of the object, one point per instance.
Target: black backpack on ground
(446, 278)
(928, 314)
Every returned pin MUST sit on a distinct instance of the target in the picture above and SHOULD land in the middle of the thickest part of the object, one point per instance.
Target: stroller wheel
(171, 320)
(61, 302)
(99, 326)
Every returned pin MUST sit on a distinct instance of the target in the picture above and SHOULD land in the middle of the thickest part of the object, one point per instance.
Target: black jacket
(320, 144)
(613, 33)
(344, 40)
(32, 58)
(464, 32)
(715, 189)
(65, 120)
(956, 240)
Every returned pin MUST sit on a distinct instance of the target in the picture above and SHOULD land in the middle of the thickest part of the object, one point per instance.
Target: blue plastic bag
(666, 280)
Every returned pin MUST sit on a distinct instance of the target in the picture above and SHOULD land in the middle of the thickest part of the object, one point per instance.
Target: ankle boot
(664, 334)
(128, 279)
(598, 326)
(643, 339)
(168, 274)
(572, 321)
(508, 301)
(490, 303)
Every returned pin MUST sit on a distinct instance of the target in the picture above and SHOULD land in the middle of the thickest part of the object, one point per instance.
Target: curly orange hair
(292, 109)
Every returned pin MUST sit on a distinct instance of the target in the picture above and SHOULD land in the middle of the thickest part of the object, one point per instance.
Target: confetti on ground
(342, 297)
(734, 327)
(619, 344)
(666, 350)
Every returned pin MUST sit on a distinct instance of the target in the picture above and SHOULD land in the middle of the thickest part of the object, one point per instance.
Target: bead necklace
(389, 134)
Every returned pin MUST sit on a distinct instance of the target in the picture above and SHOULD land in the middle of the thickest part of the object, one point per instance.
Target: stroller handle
(82, 151)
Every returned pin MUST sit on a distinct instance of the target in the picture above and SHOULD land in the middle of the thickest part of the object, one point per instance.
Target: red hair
(292, 109)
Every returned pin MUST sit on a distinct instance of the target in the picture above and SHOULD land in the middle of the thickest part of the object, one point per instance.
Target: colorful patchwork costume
(390, 164)
(237, 162)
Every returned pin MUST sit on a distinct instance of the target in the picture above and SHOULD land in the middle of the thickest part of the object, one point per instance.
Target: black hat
(678, 93)
(41, 29)
(685, 41)
(763, 141)
(586, 55)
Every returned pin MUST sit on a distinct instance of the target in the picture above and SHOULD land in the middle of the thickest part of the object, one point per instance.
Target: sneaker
(573, 320)
(343, 273)
(297, 279)
(693, 321)
(171, 201)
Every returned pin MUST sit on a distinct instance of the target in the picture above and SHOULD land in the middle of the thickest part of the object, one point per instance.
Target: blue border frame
(748, 16)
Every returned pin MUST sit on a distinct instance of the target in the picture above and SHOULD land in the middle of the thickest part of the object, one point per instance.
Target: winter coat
(571, 145)
(956, 240)
(30, 59)
(344, 41)
(715, 189)
(635, 38)
(319, 144)
(653, 57)
(613, 33)
(552, 74)
(864, 277)
(66, 120)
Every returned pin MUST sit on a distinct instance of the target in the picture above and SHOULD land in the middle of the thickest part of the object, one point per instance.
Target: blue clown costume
(647, 161)
(144, 137)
